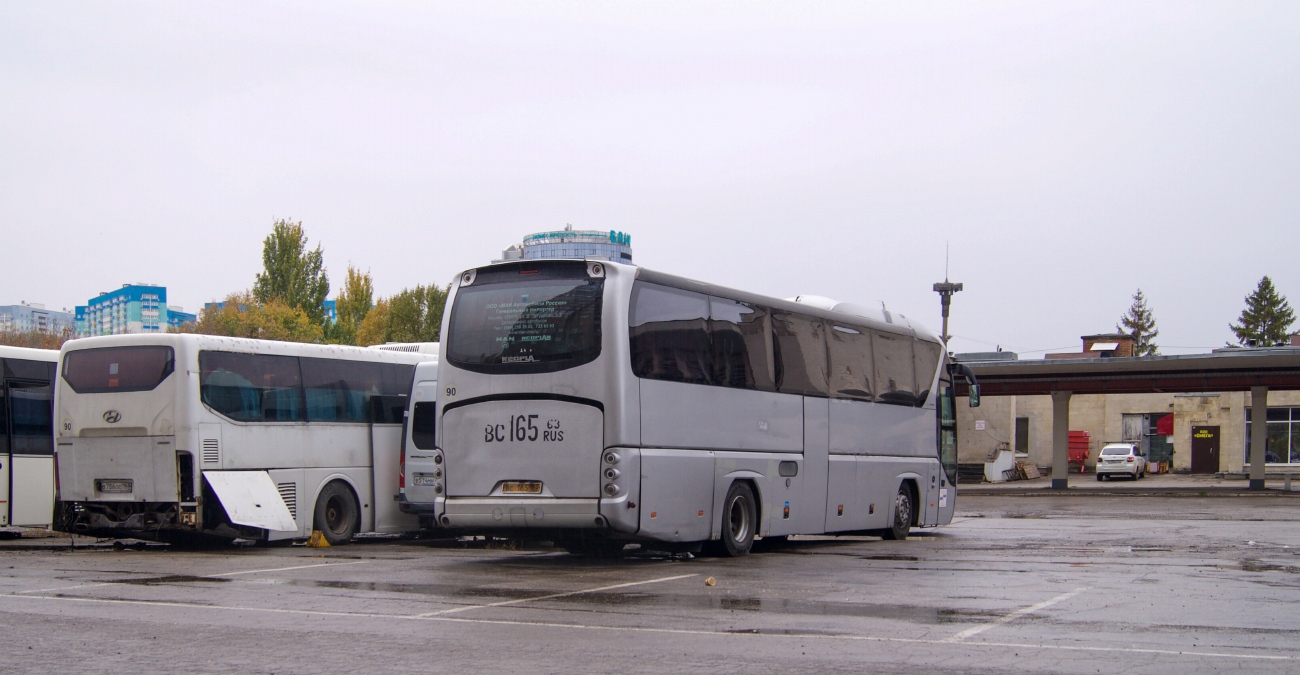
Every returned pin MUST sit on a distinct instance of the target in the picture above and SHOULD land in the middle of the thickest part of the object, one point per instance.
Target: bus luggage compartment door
(251, 498)
(556, 443)
(677, 494)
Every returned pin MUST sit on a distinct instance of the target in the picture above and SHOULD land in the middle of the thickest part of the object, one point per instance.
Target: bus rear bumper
(537, 513)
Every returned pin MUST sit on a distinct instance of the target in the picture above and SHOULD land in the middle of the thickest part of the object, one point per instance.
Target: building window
(1283, 445)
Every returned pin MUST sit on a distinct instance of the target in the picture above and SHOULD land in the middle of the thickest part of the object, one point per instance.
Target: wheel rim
(336, 515)
(738, 520)
(904, 509)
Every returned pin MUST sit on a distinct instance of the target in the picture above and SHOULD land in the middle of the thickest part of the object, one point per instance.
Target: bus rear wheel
(902, 515)
(337, 515)
(739, 523)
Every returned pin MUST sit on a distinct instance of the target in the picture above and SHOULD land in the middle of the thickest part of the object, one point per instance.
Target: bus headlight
(611, 489)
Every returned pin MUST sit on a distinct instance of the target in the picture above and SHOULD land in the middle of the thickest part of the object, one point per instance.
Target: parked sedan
(1121, 459)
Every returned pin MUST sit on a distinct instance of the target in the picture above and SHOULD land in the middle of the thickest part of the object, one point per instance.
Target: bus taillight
(401, 469)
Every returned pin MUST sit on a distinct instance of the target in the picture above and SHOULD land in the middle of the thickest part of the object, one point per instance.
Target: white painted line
(554, 595)
(209, 576)
(286, 569)
(976, 630)
(671, 631)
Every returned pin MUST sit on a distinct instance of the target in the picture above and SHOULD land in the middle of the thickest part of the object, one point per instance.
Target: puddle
(171, 579)
(1257, 566)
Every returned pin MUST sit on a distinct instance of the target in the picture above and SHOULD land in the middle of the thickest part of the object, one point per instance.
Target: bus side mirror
(974, 395)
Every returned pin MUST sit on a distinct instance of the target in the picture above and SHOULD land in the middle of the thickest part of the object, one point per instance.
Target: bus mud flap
(250, 498)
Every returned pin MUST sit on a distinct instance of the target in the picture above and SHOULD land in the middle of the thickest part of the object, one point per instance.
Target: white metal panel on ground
(251, 498)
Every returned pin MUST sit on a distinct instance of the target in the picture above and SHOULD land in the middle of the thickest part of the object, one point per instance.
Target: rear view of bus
(173, 437)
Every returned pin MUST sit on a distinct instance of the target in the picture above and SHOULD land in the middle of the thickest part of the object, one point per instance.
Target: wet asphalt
(1072, 584)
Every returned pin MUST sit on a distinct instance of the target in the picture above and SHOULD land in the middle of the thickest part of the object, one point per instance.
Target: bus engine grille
(289, 493)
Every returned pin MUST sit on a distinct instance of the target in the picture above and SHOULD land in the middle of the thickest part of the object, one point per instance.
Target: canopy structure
(1253, 370)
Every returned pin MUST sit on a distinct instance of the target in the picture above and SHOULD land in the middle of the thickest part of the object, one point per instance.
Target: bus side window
(850, 363)
(800, 351)
(423, 424)
(670, 335)
(252, 387)
(895, 374)
(742, 345)
(927, 365)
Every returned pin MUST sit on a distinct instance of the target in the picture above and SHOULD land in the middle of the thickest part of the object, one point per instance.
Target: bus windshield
(526, 320)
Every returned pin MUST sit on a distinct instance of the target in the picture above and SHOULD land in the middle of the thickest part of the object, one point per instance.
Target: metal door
(1205, 449)
(28, 453)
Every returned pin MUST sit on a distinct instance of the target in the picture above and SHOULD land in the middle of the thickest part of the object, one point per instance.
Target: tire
(739, 522)
(337, 515)
(903, 507)
(1101, 477)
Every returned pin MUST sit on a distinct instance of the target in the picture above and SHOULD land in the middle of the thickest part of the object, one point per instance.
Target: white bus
(26, 436)
(598, 404)
(176, 437)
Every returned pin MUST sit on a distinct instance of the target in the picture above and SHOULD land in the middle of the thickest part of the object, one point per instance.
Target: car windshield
(1115, 451)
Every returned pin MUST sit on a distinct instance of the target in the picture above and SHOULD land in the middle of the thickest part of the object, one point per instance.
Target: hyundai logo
(112, 416)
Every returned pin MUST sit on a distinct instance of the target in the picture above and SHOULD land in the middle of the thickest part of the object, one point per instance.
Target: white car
(1121, 459)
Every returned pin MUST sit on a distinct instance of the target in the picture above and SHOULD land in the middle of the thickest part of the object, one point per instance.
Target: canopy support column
(1060, 440)
(1258, 435)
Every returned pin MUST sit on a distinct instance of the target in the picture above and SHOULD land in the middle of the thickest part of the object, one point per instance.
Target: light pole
(945, 289)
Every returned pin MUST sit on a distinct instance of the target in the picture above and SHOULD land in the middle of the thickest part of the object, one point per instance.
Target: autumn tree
(413, 315)
(291, 274)
(1267, 318)
(36, 339)
(354, 302)
(242, 315)
(1140, 322)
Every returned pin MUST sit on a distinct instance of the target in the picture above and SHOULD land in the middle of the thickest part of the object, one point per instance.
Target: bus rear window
(519, 320)
(117, 369)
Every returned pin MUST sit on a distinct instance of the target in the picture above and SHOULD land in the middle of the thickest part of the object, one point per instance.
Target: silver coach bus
(597, 404)
(175, 437)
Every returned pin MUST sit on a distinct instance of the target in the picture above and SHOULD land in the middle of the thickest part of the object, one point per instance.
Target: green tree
(292, 274)
(1266, 319)
(241, 315)
(414, 315)
(354, 302)
(1141, 324)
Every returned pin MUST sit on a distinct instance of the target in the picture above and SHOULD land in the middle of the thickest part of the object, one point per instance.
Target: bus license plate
(114, 486)
(530, 487)
(425, 480)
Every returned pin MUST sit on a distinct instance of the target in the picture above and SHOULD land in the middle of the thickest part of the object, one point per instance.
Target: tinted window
(742, 345)
(850, 363)
(800, 347)
(252, 387)
(423, 424)
(338, 390)
(117, 369)
(30, 408)
(895, 381)
(927, 356)
(670, 334)
(519, 320)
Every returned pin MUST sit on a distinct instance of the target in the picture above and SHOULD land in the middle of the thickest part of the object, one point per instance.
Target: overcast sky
(1066, 153)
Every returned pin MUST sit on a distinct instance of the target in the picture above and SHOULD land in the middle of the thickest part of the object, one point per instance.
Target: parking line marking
(552, 596)
(976, 630)
(672, 631)
(213, 576)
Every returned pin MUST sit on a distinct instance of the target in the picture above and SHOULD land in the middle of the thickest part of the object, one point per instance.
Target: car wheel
(1101, 477)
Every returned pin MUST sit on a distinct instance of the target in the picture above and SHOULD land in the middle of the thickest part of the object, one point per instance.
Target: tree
(414, 315)
(241, 315)
(1266, 319)
(35, 339)
(1141, 324)
(290, 273)
(354, 302)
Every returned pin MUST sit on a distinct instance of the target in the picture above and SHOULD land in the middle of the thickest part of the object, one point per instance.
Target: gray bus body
(635, 422)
